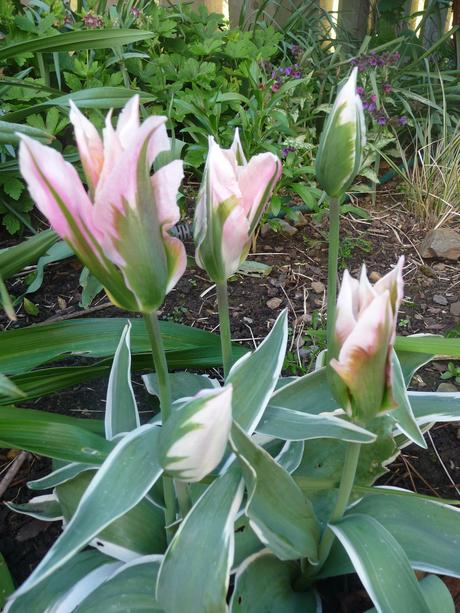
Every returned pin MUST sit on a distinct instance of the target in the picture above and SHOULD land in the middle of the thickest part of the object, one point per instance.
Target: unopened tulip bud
(194, 438)
(339, 154)
(232, 199)
(365, 331)
(120, 230)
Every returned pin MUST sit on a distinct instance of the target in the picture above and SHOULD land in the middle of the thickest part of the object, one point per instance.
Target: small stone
(303, 319)
(286, 228)
(374, 276)
(248, 320)
(446, 387)
(438, 299)
(455, 309)
(62, 304)
(427, 271)
(274, 303)
(441, 243)
(318, 287)
(439, 366)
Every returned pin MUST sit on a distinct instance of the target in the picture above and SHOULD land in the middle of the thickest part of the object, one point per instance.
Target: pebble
(274, 303)
(374, 276)
(318, 287)
(455, 309)
(446, 387)
(438, 299)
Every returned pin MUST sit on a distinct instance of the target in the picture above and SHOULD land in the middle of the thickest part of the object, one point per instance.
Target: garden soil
(293, 277)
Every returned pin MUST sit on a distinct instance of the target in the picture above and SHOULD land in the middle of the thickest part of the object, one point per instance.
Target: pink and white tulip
(365, 331)
(232, 199)
(120, 229)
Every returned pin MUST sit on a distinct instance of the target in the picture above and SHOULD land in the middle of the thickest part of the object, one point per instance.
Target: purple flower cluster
(135, 11)
(373, 60)
(280, 74)
(370, 105)
(93, 21)
(285, 151)
(296, 52)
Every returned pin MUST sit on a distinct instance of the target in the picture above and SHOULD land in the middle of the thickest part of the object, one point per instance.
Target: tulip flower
(120, 227)
(339, 155)
(365, 331)
(194, 438)
(232, 199)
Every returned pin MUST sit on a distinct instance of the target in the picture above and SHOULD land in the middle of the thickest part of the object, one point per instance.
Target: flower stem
(224, 322)
(333, 256)
(347, 479)
(161, 370)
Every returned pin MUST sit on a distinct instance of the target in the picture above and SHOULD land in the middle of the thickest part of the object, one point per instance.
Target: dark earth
(296, 280)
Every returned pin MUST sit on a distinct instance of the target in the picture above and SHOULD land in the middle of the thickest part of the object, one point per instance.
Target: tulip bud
(120, 230)
(232, 199)
(344, 134)
(194, 438)
(365, 331)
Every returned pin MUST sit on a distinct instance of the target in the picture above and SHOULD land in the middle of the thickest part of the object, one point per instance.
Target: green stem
(343, 496)
(333, 256)
(161, 370)
(224, 323)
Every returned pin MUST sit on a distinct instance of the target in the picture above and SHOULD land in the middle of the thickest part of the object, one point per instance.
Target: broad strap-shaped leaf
(435, 406)
(9, 388)
(436, 594)
(403, 414)
(183, 384)
(121, 413)
(429, 532)
(264, 583)
(58, 476)
(14, 259)
(58, 584)
(194, 438)
(140, 531)
(6, 582)
(381, 564)
(290, 455)
(308, 394)
(126, 476)
(254, 376)
(279, 513)
(411, 361)
(194, 575)
(292, 425)
(130, 587)
(51, 435)
(429, 344)
(46, 508)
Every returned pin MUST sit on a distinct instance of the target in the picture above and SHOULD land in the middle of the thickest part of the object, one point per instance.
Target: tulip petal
(220, 175)
(165, 183)
(347, 307)
(393, 282)
(366, 292)
(128, 122)
(237, 149)
(89, 145)
(257, 181)
(194, 438)
(235, 240)
(363, 358)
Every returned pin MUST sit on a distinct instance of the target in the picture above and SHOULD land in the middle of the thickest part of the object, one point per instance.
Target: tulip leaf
(403, 414)
(428, 531)
(26, 348)
(183, 384)
(52, 435)
(14, 259)
(427, 344)
(255, 375)
(206, 537)
(46, 508)
(58, 476)
(9, 389)
(56, 253)
(126, 476)
(411, 361)
(9, 133)
(293, 425)
(121, 413)
(381, 564)
(277, 595)
(435, 406)
(59, 583)
(72, 41)
(132, 586)
(436, 594)
(140, 531)
(6, 582)
(278, 511)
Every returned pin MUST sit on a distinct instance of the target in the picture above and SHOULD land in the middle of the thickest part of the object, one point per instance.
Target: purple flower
(93, 21)
(373, 98)
(371, 107)
(387, 88)
(285, 151)
(402, 120)
(365, 105)
(360, 91)
(372, 61)
(276, 85)
(381, 120)
(297, 74)
(135, 11)
(288, 71)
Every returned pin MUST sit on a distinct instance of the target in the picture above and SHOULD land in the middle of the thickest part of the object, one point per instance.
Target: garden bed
(297, 281)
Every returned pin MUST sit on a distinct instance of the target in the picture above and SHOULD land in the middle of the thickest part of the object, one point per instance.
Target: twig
(12, 471)
(442, 463)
